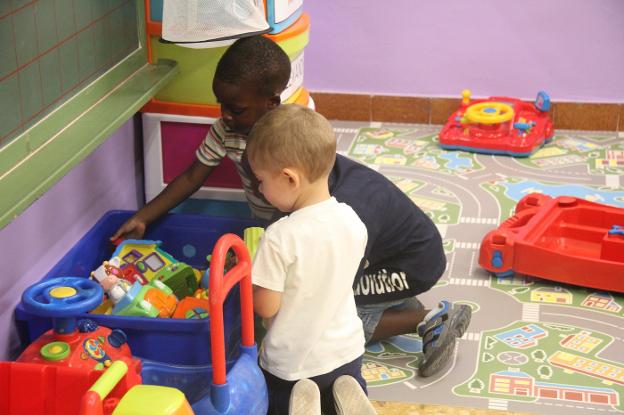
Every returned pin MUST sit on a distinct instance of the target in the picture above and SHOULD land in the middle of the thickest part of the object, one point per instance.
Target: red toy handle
(220, 286)
(519, 220)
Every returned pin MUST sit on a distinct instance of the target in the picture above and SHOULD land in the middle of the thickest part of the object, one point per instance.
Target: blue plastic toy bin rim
(188, 238)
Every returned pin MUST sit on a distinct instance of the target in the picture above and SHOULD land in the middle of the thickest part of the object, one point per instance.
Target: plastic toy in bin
(563, 239)
(154, 299)
(149, 262)
(110, 277)
(498, 125)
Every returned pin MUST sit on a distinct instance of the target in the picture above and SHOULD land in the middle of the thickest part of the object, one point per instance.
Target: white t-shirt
(311, 257)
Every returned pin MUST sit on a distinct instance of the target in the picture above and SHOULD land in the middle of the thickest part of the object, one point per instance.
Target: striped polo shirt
(221, 142)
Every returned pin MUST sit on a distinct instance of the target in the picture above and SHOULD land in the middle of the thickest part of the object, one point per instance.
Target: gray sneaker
(438, 340)
(459, 318)
(305, 399)
(350, 399)
(439, 330)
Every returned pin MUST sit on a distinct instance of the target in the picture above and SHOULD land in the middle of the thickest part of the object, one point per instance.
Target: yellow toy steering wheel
(488, 113)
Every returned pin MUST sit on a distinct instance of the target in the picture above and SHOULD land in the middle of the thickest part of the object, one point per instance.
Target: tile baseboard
(423, 110)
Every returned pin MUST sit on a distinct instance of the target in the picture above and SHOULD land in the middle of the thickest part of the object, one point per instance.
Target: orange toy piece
(166, 304)
(191, 308)
(201, 293)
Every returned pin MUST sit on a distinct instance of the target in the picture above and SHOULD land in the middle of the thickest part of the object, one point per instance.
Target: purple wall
(574, 49)
(108, 179)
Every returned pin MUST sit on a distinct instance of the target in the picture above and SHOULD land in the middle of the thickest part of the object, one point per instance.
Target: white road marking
(612, 180)
(470, 282)
(471, 336)
(409, 385)
(467, 245)
(499, 404)
(346, 130)
(452, 264)
(489, 221)
(471, 264)
(530, 312)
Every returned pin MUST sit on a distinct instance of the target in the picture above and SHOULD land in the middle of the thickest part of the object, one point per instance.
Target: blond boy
(304, 268)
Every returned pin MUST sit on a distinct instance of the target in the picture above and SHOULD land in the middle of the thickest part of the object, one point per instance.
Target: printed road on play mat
(533, 345)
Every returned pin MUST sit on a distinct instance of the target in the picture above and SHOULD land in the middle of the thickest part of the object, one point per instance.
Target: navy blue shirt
(402, 240)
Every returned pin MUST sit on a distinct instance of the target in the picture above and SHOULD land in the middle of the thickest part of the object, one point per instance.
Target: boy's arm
(268, 273)
(176, 192)
(266, 302)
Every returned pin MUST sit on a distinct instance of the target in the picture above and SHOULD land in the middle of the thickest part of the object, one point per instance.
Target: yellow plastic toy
(488, 113)
(252, 236)
(140, 399)
(153, 400)
(466, 97)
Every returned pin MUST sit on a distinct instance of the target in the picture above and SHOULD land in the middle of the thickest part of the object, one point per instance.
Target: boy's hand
(133, 228)
(176, 192)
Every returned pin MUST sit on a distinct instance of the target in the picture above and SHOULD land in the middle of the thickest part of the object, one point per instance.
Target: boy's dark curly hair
(255, 61)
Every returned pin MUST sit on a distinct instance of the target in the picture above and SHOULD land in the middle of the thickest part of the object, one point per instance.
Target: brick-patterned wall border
(419, 110)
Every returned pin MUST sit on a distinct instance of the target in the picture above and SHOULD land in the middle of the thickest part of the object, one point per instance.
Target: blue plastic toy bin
(188, 238)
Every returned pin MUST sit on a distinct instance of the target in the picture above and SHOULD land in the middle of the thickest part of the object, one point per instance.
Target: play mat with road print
(533, 346)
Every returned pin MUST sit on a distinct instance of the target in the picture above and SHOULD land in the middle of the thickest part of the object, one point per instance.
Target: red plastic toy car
(499, 125)
(566, 239)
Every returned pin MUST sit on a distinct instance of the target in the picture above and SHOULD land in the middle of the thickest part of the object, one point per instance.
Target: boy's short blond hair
(293, 136)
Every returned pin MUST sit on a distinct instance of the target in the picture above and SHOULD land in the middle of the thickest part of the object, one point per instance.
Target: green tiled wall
(49, 49)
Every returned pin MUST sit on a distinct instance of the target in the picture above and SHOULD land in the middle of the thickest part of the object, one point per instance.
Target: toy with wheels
(565, 239)
(71, 343)
(498, 125)
(42, 389)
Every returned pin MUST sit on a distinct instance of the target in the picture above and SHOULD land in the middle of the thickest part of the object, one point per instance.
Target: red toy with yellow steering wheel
(499, 125)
